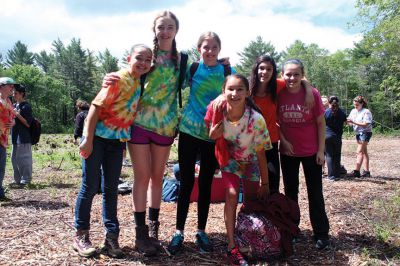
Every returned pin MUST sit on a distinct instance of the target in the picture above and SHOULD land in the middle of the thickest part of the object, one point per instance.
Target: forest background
(56, 79)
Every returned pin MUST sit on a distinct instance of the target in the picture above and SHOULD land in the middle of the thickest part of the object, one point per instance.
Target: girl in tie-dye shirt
(205, 86)
(154, 131)
(106, 129)
(246, 134)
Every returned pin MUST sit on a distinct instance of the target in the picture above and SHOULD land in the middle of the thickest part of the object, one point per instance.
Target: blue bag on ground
(170, 190)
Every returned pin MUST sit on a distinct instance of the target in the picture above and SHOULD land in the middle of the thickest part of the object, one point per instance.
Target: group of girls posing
(148, 122)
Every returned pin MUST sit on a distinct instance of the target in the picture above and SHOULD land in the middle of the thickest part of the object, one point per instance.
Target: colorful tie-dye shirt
(118, 107)
(245, 138)
(206, 85)
(6, 116)
(157, 110)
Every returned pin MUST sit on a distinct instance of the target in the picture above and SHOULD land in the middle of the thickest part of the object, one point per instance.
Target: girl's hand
(288, 147)
(86, 148)
(9, 125)
(320, 158)
(219, 102)
(349, 121)
(110, 79)
(263, 192)
(216, 131)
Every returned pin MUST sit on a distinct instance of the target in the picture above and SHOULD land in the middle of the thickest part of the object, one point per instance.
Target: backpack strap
(195, 65)
(193, 68)
(227, 70)
(182, 71)
(142, 81)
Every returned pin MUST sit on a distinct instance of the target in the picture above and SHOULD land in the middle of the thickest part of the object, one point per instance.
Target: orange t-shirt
(268, 110)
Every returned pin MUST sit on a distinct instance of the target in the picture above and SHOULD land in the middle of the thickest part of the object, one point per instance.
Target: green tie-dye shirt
(206, 86)
(157, 110)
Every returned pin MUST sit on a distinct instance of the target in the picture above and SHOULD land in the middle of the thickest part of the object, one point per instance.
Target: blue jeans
(3, 158)
(107, 153)
(83, 164)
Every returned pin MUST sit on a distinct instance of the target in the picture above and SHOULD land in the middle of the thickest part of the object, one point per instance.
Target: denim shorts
(364, 136)
(142, 136)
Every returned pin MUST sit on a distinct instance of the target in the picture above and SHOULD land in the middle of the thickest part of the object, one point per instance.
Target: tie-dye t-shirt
(118, 107)
(6, 116)
(157, 110)
(206, 86)
(244, 139)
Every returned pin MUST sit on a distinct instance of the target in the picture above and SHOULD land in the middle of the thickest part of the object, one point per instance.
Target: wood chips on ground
(36, 227)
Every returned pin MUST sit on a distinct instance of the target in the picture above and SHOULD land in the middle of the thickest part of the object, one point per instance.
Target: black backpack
(182, 70)
(35, 130)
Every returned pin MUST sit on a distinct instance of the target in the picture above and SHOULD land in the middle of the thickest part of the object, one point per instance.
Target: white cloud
(237, 22)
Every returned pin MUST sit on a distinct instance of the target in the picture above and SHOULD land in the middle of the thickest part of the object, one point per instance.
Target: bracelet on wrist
(264, 184)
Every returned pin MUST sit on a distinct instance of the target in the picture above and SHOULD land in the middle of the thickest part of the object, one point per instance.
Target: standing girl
(108, 124)
(193, 139)
(154, 131)
(264, 87)
(361, 119)
(302, 135)
(247, 138)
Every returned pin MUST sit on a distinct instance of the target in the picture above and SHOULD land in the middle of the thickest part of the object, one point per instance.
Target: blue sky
(119, 24)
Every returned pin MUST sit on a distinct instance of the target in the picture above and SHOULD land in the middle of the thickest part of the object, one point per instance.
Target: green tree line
(56, 79)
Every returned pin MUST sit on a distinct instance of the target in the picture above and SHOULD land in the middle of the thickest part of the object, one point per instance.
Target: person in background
(334, 119)
(105, 133)
(21, 156)
(325, 101)
(7, 115)
(302, 135)
(82, 108)
(245, 131)
(361, 120)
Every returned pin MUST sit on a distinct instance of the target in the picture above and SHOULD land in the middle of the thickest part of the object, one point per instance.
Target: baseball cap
(7, 81)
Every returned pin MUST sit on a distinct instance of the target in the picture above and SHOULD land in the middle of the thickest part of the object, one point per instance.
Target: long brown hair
(254, 81)
(167, 14)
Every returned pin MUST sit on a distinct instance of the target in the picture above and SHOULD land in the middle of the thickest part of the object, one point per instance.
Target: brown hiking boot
(153, 233)
(83, 245)
(143, 243)
(111, 246)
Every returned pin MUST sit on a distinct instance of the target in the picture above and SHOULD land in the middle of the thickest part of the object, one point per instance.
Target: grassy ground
(36, 227)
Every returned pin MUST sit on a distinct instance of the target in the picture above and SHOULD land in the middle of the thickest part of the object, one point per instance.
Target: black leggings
(274, 168)
(188, 148)
(313, 175)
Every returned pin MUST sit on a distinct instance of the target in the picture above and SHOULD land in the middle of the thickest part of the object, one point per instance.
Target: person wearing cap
(7, 115)
(21, 156)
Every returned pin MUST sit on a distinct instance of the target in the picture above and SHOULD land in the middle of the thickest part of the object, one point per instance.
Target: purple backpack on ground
(256, 237)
